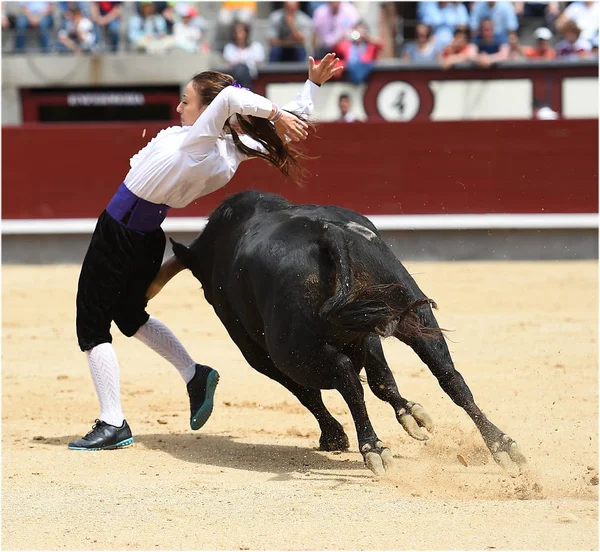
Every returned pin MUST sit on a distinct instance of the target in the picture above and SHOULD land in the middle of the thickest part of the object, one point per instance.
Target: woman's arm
(205, 132)
(318, 74)
(230, 54)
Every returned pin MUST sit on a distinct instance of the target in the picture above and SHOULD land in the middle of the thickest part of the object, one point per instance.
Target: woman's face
(421, 33)
(189, 108)
(240, 34)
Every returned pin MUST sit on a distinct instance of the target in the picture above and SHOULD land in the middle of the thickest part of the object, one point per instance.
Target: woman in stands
(221, 125)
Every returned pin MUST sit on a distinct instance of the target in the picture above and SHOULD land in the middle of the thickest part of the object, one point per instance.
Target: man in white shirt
(78, 35)
(584, 14)
(346, 115)
(178, 166)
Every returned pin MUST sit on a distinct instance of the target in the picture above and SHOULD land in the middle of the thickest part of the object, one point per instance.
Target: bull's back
(280, 263)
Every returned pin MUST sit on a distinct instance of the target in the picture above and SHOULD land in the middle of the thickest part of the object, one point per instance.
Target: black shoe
(104, 437)
(201, 390)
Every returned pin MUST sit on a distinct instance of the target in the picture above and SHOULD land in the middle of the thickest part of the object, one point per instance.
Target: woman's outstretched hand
(291, 126)
(323, 71)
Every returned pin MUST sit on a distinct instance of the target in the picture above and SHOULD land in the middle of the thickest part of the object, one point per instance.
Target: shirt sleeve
(230, 53)
(512, 23)
(475, 16)
(204, 133)
(304, 102)
(258, 52)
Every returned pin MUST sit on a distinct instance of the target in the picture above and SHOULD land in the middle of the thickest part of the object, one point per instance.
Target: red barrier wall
(71, 171)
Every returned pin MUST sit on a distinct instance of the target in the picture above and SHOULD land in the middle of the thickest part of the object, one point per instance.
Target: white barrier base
(382, 222)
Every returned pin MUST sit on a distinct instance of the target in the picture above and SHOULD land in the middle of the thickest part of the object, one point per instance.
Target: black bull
(305, 292)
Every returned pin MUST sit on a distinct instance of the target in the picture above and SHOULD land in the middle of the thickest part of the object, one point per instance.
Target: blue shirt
(36, 8)
(443, 21)
(429, 54)
(502, 14)
(491, 47)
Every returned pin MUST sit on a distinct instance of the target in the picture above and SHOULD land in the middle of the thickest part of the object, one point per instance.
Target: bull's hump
(361, 230)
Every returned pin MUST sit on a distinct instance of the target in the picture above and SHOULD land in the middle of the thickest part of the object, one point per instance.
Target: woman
(179, 165)
(243, 56)
(423, 48)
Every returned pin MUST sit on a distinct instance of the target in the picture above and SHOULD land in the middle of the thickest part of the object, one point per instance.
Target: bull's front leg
(433, 351)
(376, 455)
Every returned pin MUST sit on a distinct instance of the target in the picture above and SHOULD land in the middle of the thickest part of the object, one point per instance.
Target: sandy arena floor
(525, 339)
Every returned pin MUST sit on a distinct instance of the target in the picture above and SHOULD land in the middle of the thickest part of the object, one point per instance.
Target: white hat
(542, 33)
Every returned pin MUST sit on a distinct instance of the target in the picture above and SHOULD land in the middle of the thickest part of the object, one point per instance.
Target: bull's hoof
(413, 418)
(378, 458)
(334, 440)
(506, 453)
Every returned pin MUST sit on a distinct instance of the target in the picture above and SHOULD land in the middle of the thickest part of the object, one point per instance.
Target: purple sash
(134, 212)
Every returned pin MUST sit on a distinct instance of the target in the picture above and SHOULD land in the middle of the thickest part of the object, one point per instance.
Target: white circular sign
(398, 101)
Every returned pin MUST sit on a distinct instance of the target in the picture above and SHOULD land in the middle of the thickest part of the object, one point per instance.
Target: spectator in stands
(148, 31)
(536, 8)
(540, 8)
(542, 48)
(346, 115)
(5, 20)
(458, 51)
(79, 35)
(584, 14)
(443, 18)
(501, 13)
(358, 53)
(232, 12)
(34, 15)
(188, 29)
(423, 48)
(288, 31)
(311, 7)
(243, 56)
(573, 46)
(491, 46)
(229, 14)
(107, 17)
(516, 52)
(332, 22)
(543, 8)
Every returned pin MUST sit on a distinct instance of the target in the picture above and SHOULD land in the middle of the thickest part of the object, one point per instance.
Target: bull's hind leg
(433, 351)
(411, 416)
(376, 455)
(333, 436)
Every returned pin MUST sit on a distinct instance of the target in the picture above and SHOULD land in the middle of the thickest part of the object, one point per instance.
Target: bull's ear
(183, 253)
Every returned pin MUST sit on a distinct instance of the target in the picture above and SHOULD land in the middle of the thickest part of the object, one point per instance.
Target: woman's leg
(133, 321)
(101, 281)
(104, 368)
(163, 341)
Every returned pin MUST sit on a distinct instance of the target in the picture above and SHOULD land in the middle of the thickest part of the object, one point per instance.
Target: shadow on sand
(225, 452)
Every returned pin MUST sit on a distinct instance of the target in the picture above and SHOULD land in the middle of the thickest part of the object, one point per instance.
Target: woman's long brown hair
(286, 157)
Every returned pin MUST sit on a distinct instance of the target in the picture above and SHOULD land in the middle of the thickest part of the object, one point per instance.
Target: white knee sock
(162, 340)
(104, 368)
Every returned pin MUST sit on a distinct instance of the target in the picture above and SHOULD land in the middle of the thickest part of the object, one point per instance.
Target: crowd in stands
(448, 33)
(489, 32)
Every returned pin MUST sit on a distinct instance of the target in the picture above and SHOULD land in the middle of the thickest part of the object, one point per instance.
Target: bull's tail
(381, 309)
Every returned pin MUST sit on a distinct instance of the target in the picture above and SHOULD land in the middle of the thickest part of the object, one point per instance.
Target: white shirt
(182, 163)
(586, 18)
(252, 56)
(84, 29)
